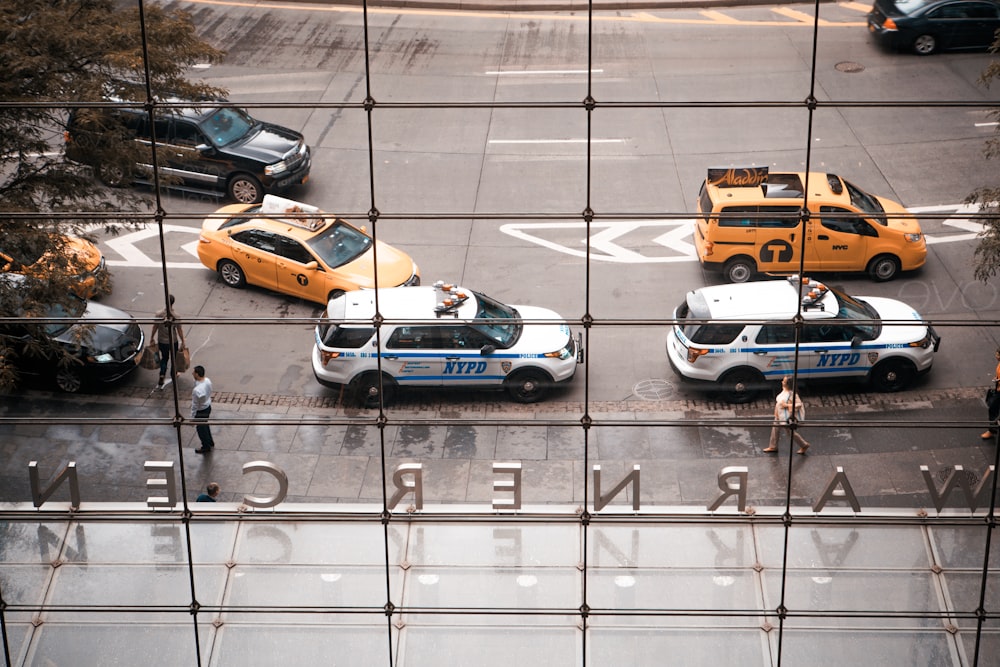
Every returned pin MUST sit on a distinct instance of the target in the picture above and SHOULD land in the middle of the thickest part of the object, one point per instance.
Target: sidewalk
(574, 6)
(333, 454)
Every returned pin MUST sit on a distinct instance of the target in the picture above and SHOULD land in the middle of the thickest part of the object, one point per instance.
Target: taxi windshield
(865, 202)
(854, 309)
(339, 244)
(490, 321)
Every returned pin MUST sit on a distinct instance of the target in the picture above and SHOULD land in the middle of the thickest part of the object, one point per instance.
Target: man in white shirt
(201, 408)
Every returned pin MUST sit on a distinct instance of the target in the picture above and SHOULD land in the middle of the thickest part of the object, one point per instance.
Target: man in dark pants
(162, 336)
(201, 408)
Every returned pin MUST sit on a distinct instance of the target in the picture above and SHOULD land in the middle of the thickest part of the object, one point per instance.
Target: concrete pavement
(334, 454)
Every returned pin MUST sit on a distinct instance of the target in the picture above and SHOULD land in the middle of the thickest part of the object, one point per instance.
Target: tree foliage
(63, 55)
(986, 262)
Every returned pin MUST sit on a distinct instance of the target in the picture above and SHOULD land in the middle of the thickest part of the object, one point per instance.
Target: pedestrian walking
(786, 404)
(210, 495)
(161, 334)
(993, 401)
(201, 408)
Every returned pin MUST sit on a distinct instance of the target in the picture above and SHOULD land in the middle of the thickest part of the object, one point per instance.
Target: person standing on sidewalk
(161, 334)
(201, 408)
(786, 404)
(993, 401)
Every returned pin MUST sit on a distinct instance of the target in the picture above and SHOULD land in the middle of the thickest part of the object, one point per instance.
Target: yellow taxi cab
(80, 259)
(750, 221)
(294, 248)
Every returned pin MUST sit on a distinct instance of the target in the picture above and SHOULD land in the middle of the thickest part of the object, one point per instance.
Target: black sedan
(927, 26)
(79, 342)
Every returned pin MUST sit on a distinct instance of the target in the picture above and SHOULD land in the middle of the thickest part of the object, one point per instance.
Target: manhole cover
(653, 390)
(945, 472)
(849, 67)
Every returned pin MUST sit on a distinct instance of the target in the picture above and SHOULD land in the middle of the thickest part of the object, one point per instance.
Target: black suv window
(184, 133)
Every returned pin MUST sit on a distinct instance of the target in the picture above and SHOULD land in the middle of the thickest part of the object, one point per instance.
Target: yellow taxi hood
(83, 254)
(214, 221)
(395, 267)
(897, 217)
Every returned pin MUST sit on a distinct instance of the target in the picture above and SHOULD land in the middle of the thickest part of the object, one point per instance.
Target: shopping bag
(182, 360)
(150, 357)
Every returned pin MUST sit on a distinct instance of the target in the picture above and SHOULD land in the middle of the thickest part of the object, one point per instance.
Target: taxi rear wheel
(740, 269)
(741, 385)
(883, 268)
(232, 274)
(892, 375)
(366, 389)
(528, 386)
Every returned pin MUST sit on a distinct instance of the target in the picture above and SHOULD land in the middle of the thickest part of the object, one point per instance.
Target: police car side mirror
(487, 350)
(856, 341)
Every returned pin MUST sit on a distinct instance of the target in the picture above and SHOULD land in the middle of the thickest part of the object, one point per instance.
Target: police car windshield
(865, 202)
(339, 244)
(226, 125)
(853, 309)
(504, 333)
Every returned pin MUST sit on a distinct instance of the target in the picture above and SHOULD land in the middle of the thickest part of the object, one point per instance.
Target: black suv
(209, 146)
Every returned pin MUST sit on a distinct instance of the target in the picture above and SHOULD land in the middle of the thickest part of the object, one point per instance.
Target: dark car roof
(918, 7)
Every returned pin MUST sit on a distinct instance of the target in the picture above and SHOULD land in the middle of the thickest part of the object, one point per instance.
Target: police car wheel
(740, 270)
(883, 268)
(741, 385)
(528, 386)
(365, 389)
(892, 375)
(232, 274)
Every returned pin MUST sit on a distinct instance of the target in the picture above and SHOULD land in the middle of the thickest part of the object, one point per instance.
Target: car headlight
(275, 168)
(912, 238)
(563, 354)
(103, 358)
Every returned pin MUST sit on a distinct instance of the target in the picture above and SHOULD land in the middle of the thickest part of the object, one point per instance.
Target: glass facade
(459, 528)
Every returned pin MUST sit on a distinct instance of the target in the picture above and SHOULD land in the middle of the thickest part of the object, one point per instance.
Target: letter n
(38, 496)
(600, 501)
(732, 482)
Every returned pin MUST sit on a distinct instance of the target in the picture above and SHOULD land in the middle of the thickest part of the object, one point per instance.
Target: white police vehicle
(741, 337)
(441, 336)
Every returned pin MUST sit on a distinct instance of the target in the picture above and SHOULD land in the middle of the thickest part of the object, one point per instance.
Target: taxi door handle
(823, 237)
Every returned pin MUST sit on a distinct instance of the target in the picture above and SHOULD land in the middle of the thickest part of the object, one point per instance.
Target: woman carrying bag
(993, 401)
(785, 404)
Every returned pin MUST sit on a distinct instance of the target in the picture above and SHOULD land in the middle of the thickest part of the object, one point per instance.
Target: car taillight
(694, 354)
(709, 247)
(889, 24)
(325, 356)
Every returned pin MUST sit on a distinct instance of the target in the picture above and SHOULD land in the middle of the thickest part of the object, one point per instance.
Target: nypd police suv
(742, 336)
(441, 336)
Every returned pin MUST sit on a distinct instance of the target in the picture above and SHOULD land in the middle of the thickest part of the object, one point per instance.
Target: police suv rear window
(346, 337)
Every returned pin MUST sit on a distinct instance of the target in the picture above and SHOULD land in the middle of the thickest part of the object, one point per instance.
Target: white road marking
(556, 141)
(542, 72)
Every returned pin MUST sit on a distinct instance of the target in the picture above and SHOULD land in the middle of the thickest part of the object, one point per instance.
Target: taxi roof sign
(290, 211)
(737, 177)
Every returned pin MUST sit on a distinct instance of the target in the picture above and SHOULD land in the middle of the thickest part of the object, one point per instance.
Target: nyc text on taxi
(293, 248)
(752, 221)
(741, 337)
(441, 336)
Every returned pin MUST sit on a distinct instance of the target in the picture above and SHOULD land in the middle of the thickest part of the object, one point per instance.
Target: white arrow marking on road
(132, 256)
(975, 228)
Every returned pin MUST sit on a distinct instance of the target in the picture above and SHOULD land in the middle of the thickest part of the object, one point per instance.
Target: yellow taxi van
(751, 220)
